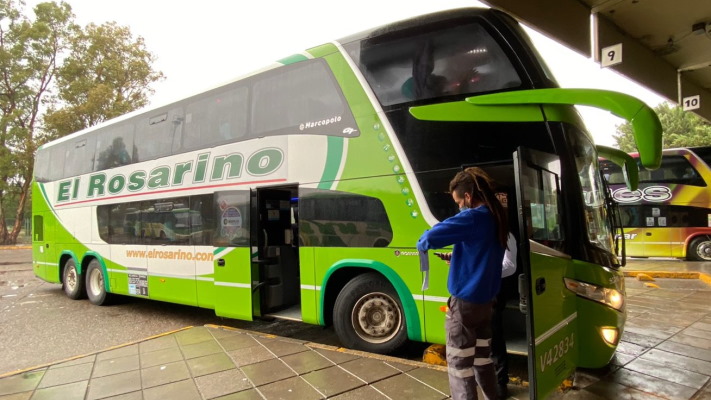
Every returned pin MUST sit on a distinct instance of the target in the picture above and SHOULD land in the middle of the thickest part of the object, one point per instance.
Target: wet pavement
(665, 352)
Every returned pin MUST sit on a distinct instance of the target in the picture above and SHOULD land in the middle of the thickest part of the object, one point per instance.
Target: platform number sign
(691, 103)
(611, 55)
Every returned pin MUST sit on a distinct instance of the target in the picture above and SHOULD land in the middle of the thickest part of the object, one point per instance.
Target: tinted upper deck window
(430, 63)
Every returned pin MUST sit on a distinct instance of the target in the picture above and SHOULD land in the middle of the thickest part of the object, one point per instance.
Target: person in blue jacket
(479, 234)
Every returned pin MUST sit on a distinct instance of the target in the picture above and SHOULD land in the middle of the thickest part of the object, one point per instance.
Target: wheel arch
(340, 273)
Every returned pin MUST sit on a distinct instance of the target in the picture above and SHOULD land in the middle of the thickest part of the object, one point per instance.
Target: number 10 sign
(691, 103)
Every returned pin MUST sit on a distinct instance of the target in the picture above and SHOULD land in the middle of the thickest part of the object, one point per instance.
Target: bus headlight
(609, 334)
(610, 297)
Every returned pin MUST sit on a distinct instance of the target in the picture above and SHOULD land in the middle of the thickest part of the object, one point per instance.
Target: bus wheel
(700, 249)
(95, 289)
(368, 315)
(72, 280)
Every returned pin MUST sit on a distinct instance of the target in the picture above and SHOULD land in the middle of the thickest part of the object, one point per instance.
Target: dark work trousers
(469, 363)
(498, 342)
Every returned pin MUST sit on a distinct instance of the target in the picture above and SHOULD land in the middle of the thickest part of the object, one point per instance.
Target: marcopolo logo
(204, 168)
(650, 193)
(322, 122)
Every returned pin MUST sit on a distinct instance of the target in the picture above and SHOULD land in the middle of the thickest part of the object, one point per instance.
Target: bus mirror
(646, 128)
(625, 161)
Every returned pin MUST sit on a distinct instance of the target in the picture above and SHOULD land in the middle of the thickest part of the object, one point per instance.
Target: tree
(107, 74)
(57, 78)
(28, 64)
(680, 129)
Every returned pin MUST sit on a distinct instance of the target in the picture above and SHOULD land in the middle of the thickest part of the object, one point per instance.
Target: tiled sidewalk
(665, 353)
(217, 363)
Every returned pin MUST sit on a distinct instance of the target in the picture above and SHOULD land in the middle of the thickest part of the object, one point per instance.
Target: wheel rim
(96, 282)
(703, 250)
(70, 280)
(376, 317)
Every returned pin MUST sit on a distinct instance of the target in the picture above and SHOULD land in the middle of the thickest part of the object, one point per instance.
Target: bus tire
(700, 249)
(95, 286)
(72, 280)
(369, 316)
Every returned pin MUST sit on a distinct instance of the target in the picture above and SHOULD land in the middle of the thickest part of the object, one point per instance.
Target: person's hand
(447, 257)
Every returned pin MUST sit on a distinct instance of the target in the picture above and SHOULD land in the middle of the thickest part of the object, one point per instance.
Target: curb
(706, 278)
(13, 247)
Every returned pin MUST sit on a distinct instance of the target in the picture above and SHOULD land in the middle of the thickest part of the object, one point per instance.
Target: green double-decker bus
(300, 192)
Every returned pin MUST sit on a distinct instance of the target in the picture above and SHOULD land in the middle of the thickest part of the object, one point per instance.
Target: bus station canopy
(666, 45)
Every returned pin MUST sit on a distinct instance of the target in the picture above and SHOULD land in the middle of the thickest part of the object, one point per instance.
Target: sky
(202, 44)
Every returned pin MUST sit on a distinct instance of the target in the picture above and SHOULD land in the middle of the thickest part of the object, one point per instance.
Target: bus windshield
(434, 62)
(598, 228)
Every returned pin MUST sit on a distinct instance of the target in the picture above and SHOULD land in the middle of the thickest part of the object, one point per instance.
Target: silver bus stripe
(311, 287)
(235, 285)
(438, 299)
(560, 325)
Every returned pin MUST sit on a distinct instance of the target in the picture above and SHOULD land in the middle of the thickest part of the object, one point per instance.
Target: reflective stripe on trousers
(469, 350)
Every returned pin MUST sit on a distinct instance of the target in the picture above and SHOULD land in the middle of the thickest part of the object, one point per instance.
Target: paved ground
(665, 353)
(665, 350)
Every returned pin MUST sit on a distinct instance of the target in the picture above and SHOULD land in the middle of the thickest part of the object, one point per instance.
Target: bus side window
(38, 228)
(202, 223)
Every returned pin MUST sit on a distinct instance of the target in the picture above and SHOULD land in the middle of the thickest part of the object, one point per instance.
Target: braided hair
(480, 187)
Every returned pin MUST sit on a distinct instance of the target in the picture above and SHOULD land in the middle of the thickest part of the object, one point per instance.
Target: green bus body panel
(172, 289)
(647, 129)
(466, 112)
(334, 156)
(555, 328)
(394, 270)
(233, 284)
(310, 299)
(206, 291)
(293, 59)
(597, 315)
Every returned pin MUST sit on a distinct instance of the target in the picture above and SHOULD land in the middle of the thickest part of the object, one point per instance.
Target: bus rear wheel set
(700, 249)
(89, 284)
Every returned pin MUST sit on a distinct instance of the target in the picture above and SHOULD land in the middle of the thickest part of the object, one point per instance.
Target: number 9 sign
(611, 55)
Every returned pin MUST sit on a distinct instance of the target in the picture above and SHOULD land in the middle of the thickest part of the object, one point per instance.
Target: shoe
(502, 391)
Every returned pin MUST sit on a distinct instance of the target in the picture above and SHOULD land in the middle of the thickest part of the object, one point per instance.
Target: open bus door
(233, 254)
(550, 308)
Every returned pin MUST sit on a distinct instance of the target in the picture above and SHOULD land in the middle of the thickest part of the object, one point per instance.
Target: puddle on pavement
(669, 283)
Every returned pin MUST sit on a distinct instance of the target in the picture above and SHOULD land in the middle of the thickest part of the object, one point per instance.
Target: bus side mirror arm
(646, 128)
(625, 161)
